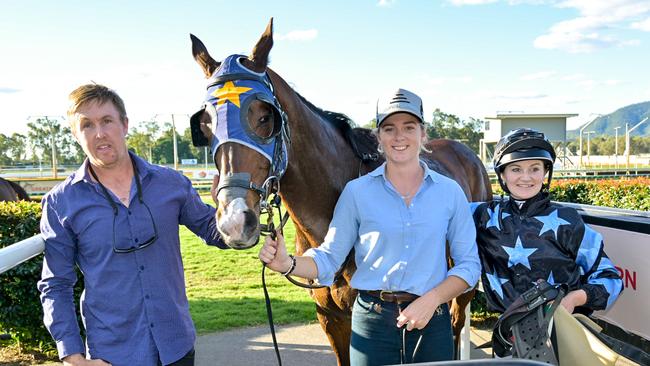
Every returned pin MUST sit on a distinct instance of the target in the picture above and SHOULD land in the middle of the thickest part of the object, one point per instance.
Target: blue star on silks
(551, 280)
(518, 254)
(551, 222)
(496, 282)
(494, 217)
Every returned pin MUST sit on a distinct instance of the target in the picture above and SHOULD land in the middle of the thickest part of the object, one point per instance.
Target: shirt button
(146, 297)
(136, 240)
(129, 212)
(406, 246)
(408, 224)
(142, 268)
(151, 325)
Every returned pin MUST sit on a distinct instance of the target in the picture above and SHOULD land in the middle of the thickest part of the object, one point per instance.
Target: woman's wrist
(291, 267)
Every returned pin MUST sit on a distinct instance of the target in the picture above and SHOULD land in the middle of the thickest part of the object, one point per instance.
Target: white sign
(189, 161)
(630, 253)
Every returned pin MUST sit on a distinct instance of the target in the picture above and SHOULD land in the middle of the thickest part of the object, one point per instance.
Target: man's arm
(199, 217)
(57, 282)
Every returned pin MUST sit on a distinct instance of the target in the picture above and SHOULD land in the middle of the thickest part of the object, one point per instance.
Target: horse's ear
(202, 57)
(260, 55)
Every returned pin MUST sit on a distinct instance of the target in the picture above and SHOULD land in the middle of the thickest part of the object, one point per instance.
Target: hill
(631, 114)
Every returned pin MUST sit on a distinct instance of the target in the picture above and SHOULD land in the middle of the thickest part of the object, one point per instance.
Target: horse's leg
(338, 329)
(457, 311)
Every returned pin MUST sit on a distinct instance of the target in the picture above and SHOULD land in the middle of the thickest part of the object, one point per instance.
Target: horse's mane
(339, 120)
(362, 140)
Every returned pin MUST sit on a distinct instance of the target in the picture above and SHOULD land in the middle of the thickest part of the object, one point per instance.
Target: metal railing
(17, 253)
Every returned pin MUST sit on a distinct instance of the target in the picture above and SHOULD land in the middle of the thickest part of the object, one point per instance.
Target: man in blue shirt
(117, 218)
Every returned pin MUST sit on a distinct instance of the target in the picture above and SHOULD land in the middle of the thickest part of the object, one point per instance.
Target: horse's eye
(265, 119)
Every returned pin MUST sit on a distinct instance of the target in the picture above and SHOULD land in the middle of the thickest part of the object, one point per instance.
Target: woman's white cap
(401, 100)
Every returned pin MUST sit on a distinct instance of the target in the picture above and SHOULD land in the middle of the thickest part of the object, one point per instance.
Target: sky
(471, 58)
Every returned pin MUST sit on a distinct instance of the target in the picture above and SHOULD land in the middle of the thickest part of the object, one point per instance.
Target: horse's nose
(238, 224)
(250, 223)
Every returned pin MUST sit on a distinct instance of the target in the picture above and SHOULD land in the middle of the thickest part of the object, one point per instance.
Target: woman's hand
(573, 299)
(274, 254)
(418, 313)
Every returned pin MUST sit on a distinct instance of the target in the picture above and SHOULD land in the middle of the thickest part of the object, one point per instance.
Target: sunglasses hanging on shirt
(136, 245)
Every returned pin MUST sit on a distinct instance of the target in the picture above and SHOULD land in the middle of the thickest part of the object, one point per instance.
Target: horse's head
(243, 123)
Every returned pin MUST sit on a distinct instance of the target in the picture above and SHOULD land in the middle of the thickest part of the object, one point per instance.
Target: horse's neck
(320, 164)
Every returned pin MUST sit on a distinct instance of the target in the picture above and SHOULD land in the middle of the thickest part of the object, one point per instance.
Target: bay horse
(11, 191)
(319, 152)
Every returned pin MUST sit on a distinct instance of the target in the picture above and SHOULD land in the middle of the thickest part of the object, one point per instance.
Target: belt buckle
(382, 293)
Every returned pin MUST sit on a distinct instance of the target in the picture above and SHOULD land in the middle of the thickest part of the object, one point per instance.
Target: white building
(552, 125)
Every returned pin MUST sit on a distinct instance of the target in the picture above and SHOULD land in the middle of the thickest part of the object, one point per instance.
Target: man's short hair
(94, 92)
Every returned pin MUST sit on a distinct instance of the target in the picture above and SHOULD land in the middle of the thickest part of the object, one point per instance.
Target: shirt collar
(82, 174)
(381, 171)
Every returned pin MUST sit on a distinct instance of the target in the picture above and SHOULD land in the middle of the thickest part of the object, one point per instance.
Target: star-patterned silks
(494, 217)
(230, 92)
(550, 279)
(551, 222)
(518, 254)
(496, 282)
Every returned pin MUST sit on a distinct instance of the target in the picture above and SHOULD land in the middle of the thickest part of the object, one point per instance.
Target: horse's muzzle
(238, 225)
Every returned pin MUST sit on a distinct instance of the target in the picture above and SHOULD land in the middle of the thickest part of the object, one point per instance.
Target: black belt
(398, 297)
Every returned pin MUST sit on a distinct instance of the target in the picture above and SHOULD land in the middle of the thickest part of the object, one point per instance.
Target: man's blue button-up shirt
(399, 247)
(134, 306)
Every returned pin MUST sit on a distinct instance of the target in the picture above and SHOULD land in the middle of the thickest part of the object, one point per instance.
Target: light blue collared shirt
(399, 247)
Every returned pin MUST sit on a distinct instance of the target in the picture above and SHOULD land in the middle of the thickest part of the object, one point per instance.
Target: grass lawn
(224, 287)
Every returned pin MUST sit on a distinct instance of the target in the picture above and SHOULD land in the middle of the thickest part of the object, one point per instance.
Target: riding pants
(376, 340)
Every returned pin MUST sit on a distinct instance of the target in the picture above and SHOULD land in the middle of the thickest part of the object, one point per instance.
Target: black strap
(222, 79)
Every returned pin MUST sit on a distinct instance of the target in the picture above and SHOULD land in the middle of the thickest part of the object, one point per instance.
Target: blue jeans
(376, 340)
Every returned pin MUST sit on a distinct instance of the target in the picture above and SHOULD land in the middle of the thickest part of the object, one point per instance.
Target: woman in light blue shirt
(397, 218)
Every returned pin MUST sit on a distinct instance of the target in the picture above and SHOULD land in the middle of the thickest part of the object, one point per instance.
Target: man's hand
(213, 189)
(79, 360)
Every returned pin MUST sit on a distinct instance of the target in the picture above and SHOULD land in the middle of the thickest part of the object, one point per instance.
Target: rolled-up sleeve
(341, 236)
(461, 236)
(57, 282)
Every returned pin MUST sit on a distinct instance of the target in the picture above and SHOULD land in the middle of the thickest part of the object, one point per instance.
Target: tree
(43, 131)
(142, 139)
(450, 126)
(163, 150)
(12, 149)
(197, 152)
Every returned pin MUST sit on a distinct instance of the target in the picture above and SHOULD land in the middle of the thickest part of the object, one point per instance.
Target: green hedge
(631, 194)
(627, 193)
(20, 308)
(21, 314)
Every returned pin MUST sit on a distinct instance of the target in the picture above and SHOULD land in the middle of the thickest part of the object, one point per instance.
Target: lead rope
(270, 227)
(402, 351)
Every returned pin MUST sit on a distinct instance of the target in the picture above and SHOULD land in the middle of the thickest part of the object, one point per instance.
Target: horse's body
(321, 162)
(10, 191)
